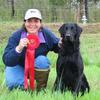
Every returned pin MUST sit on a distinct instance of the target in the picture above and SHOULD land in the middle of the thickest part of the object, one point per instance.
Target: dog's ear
(78, 29)
(61, 29)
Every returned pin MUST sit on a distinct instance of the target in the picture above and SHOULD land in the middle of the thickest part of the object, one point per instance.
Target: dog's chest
(69, 58)
(68, 62)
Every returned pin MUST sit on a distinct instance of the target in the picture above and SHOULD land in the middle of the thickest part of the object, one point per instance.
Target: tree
(86, 9)
(12, 5)
(13, 8)
(83, 8)
(54, 4)
(58, 2)
(80, 10)
(95, 3)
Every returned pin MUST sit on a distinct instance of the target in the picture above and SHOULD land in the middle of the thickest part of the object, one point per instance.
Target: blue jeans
(14, 75)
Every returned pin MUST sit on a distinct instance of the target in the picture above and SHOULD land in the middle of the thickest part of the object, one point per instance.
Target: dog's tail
(84, 85)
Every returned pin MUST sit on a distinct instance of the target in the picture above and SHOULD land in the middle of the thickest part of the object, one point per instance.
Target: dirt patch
(7, 29)
(87, 28)
(91, 28)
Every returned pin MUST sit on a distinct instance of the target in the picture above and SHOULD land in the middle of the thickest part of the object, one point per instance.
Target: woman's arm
(11, 56)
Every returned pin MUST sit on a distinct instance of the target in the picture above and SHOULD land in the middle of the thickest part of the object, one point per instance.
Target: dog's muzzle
(69, 37)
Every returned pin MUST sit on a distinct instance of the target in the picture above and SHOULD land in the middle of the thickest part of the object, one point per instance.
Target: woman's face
(32, 25)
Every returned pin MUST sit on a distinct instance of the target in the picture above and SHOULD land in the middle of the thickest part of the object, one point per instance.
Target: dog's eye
(72, 28)
(66, 28)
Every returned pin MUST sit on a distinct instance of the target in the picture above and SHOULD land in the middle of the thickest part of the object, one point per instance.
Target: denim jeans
(14, 75)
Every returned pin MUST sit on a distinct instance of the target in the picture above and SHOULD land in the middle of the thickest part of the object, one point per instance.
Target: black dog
(70, 67)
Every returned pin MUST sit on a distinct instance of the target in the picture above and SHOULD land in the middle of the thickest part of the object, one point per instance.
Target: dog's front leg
(77, 86)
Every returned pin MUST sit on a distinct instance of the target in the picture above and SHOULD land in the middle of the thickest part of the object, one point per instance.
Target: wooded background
(52, 10)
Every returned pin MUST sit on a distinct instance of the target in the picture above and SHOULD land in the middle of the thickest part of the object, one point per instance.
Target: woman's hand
(23, 43)
(60, 42)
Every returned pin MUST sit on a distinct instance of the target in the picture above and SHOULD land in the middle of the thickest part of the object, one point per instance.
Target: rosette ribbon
(29, 60)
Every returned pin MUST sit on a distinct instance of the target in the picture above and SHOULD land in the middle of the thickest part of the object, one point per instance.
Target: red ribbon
(29, 60)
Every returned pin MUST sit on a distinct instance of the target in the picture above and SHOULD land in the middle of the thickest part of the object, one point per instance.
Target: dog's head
(70, 32)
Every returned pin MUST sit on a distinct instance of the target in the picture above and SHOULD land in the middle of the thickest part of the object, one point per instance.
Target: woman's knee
(14, 76)
(42, 62)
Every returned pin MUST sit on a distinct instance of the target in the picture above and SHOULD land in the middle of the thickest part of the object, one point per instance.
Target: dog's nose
(67, 35)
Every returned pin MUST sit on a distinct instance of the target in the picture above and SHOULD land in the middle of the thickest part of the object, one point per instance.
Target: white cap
(33, 13)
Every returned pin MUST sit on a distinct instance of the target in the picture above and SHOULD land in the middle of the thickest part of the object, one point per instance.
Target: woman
(14, 54)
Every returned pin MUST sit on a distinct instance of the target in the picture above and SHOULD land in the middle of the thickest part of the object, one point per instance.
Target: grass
(90, 50)
(22, 95)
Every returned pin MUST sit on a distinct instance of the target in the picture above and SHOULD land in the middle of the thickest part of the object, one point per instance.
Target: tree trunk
(81, 10)
(12, 8)
(54, 14)
(86, 8)
(95, 10)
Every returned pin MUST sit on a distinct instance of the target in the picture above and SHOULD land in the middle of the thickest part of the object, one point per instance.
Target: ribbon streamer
(29, 60)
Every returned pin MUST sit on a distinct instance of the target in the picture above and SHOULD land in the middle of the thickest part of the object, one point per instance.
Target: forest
(52, 10)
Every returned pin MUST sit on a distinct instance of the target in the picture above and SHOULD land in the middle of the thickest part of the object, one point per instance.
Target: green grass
(93, 75)
(90, 50)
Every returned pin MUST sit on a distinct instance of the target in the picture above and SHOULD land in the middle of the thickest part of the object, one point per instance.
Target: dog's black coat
(70, 67)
